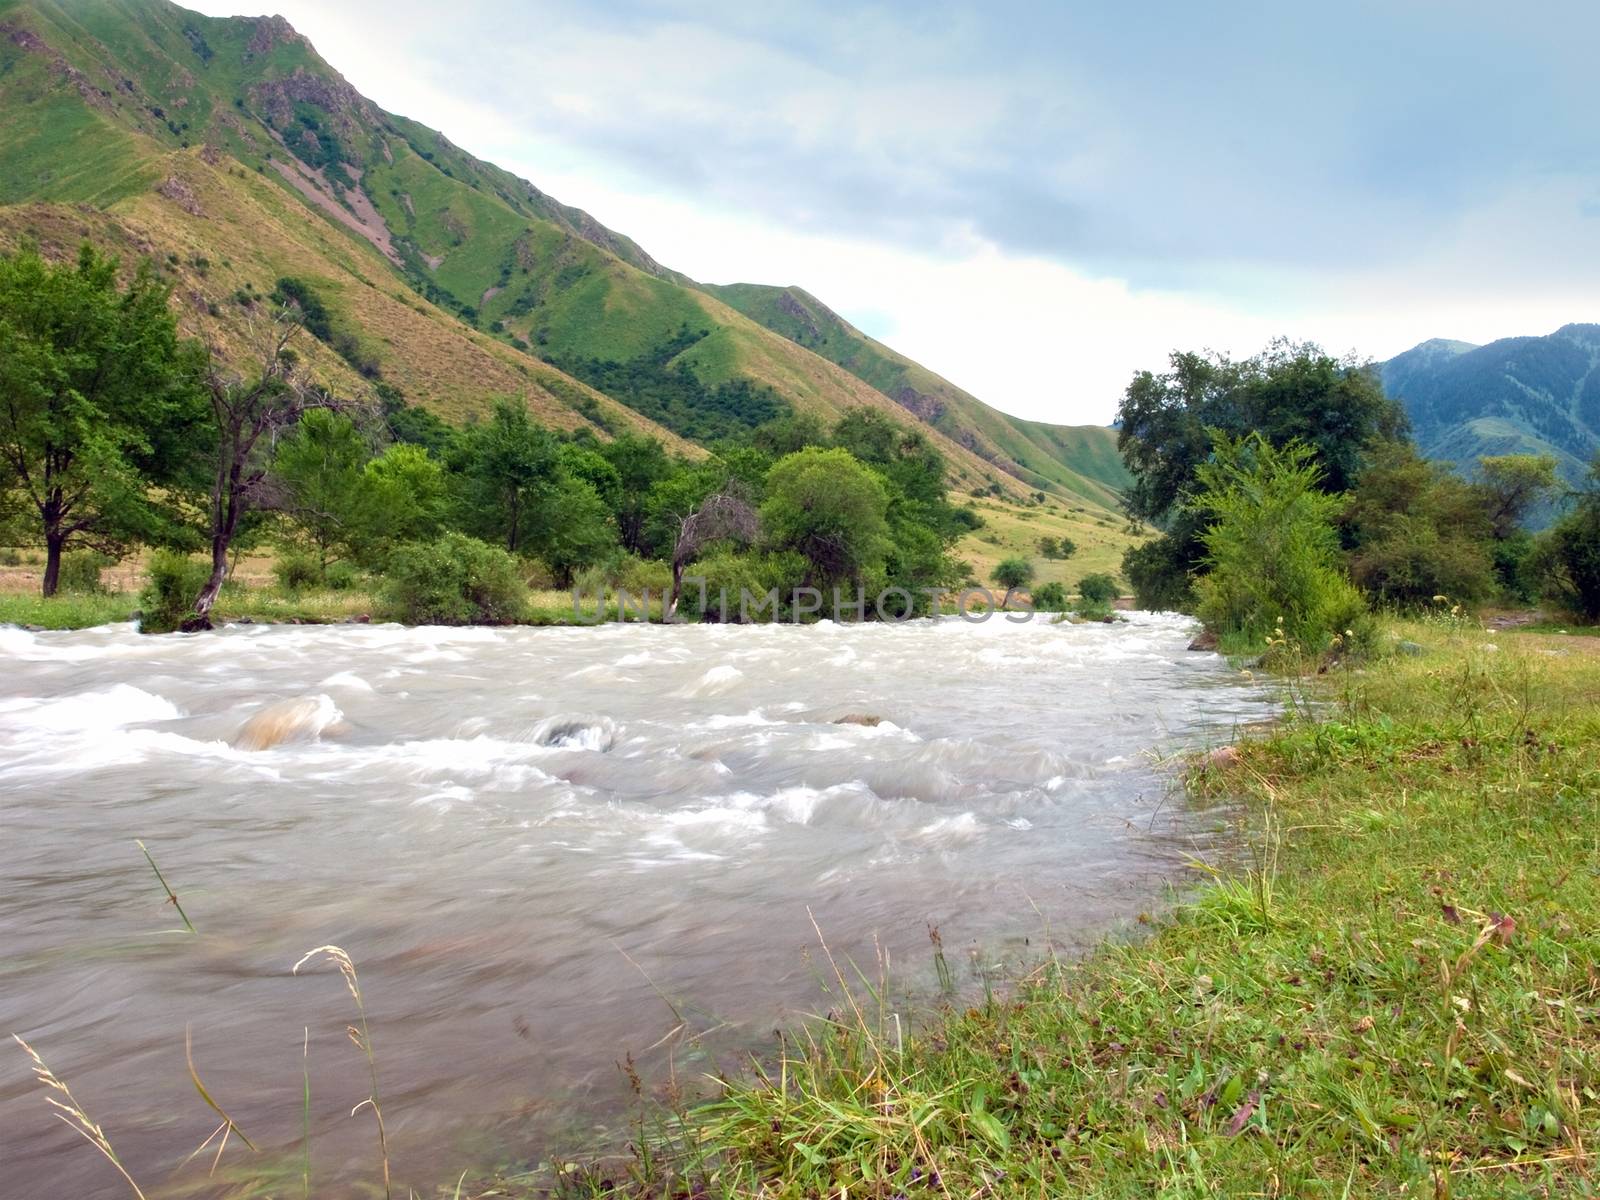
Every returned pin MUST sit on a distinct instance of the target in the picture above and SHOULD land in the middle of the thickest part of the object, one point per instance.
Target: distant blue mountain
(1518, 395)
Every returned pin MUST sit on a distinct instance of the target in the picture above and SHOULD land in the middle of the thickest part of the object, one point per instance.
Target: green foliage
(1169, 426)
(640, 463)
(1098, 589)
(453, 580)
(80, 572)
(1158, 571)
(731, 575)
(101, 399)
(402, 498)
(830, 508)
(341, 577)
(321, 468)
(1050, 597)
(509, 472)
(328, 327)
(1417, 531)
(666, 389)
(1271, 548)
(1512, 487)
(1569, 558)
(1012, 573)
(296, 570)
(173, 582)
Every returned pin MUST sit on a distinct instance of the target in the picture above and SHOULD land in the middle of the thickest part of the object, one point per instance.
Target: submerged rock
(866, 719)
(297, 720)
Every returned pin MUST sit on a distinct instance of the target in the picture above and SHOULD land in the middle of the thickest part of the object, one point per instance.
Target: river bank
(1399, 995)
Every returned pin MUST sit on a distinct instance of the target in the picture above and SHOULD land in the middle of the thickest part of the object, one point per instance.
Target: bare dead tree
(250, 412)
(725, 514)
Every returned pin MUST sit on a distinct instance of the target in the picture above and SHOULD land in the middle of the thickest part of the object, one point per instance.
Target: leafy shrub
(728, 574)
(1050, 597)
(80, 572)
(454, 580)
(296, 570)
(1158, 572)
(1098, 588)
(1272, 549)
(341, 576)
(10, 557)
(1568, 557)
(174, 580)
(625, 571)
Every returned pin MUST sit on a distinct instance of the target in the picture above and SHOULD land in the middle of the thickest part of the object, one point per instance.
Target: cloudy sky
(1037, 199)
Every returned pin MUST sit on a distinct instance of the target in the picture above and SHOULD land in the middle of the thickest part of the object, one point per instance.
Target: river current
(544, 849)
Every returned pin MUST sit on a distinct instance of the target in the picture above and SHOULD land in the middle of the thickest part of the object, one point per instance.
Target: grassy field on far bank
(1397, 993)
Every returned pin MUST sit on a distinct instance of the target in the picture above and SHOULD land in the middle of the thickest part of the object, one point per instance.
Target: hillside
(1081, 460)
(229, 150)
(1516, 395)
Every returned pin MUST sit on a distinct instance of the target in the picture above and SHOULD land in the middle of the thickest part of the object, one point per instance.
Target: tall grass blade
(71, 1112)
(363, 1040)
(172, 896)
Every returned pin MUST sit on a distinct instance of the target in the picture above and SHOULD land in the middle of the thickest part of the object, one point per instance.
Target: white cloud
(749, 146)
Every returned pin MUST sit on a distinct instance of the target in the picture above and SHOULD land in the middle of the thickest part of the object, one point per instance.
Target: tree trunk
(208, 595)
(53, 542)
(670, 610)
(224, 520)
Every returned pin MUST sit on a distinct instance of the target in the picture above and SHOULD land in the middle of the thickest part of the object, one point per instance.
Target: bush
(1098, 589)
(296, 570)
(10, 557)
(625, 571)
(454, 580)
(80, 572)
(174, 580)
(730, 573)
(341, 576)
(1050, 597)
(1158, 572)
(1272, 550)
(1568, 557)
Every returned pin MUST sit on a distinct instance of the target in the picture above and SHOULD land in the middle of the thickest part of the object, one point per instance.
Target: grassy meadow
(1012, 530)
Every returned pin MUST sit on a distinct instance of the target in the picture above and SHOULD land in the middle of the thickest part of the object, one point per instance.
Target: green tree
(574, 529)
(403, 499)
(100, 400)
(510, 471)
(1097, 589)
(829, 507)
(1169, 426)
(640, 462)
(1570, 553)
(1011, 574)
(320, 469)
(1271, 548)
(1417, 530)
(1512, 487)
(249, 412)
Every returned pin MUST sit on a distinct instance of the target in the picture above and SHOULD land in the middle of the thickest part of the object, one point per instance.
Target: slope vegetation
(231, 141)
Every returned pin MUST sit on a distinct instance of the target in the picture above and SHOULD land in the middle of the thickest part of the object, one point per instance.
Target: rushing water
(526, 839)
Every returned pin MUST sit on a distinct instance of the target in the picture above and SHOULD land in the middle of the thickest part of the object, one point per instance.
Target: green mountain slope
(185, 136)
(1518, 395)
(1081, 460)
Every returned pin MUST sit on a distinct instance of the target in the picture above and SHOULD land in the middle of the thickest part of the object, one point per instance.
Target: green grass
(1394, 991)
(66, 612)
